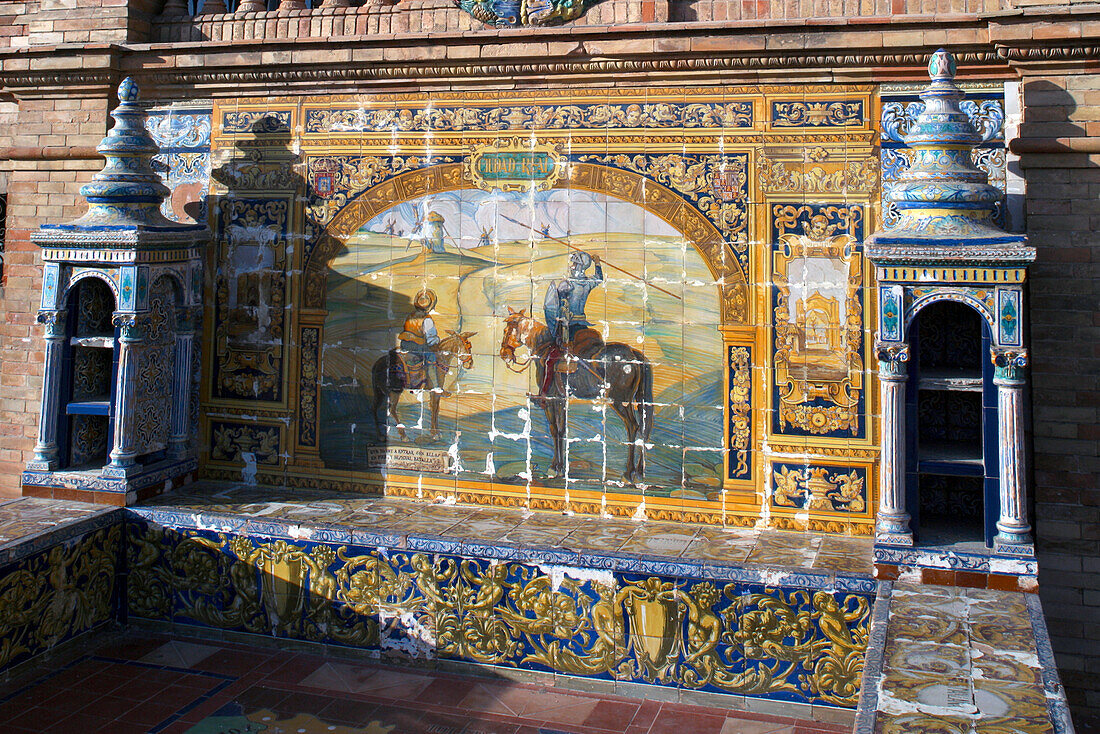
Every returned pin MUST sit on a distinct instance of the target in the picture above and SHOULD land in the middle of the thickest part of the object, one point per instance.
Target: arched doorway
(952, 472)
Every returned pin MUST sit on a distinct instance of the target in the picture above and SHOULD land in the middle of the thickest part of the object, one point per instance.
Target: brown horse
(390, 378)
(613, 371)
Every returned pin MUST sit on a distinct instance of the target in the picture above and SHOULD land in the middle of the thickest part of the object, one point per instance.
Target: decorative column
(181, 386)
(945, 245)
(213, 7)
(1012, 526)
(154, 266)
(125, 451)
(45, 451)
(892, 521)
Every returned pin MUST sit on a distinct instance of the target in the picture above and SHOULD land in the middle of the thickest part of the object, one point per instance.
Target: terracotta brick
(938, 576)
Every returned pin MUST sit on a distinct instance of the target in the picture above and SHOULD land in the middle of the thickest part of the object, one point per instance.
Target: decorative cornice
(131, 58)
(1049, 53)
(66, 79)
(581, 66)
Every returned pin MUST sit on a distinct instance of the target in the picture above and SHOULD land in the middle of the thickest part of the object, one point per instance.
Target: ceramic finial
(941, 67)
(128, 91)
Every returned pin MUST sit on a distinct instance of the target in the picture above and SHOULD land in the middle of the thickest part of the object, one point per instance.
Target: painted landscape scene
(473, 269)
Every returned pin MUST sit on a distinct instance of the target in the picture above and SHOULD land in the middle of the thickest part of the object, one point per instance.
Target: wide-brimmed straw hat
(425, 300)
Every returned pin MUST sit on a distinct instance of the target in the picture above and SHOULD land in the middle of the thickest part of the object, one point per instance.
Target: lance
(577, 249)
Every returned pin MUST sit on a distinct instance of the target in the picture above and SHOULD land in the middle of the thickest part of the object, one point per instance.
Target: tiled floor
(742, 546)
(135, 682)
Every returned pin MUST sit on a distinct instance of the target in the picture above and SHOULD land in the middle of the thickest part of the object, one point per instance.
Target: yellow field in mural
(638, 303)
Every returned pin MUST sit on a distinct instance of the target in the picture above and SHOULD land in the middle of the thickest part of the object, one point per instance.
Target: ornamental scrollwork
(855, 176)
(336, 180)
(806, 643)
(54, 321)
(819, 488)
(255, 122)
(231, 441)
(131, 326)
(512, 13)
(250, 294)
(987, 117)
(892, 358)
(740, 412)
(717, 185)
(307, 389)
(56, 594)
(1009, 364)
(657, 115)
(839, 113)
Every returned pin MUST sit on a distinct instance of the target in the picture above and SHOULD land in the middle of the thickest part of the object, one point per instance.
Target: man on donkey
(418, 344)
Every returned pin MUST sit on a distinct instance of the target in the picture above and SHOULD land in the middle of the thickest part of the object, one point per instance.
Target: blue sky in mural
(469, 212)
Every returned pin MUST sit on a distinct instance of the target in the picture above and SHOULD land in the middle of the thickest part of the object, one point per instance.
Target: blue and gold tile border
(763, 638)
(739, 459)
(819, 383)
(833, 113)
(820, 488)
(54, 591)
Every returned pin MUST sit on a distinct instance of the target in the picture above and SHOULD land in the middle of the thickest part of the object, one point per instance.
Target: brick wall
(50, 22)
(1063, 205)
(38, 192)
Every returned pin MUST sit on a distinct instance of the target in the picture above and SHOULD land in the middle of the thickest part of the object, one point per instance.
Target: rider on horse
(418, 342)
(564, 309)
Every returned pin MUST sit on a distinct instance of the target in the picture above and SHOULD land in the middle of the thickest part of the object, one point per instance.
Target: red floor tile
(612, 715)
(93, 695)
(445, 692)
(39, 717)
(109, 706)
(149, 713)
(138, 690)
(647, 714)
(305, 703)
(234, 662)
(680, 720)
(295, 670)
(78, 723)
(348, 711)
(478, 725)
(444, 723)
(131, 648)
(123, 727)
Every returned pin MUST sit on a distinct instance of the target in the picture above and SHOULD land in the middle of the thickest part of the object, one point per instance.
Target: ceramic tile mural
(620, 302)
(787, 643)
